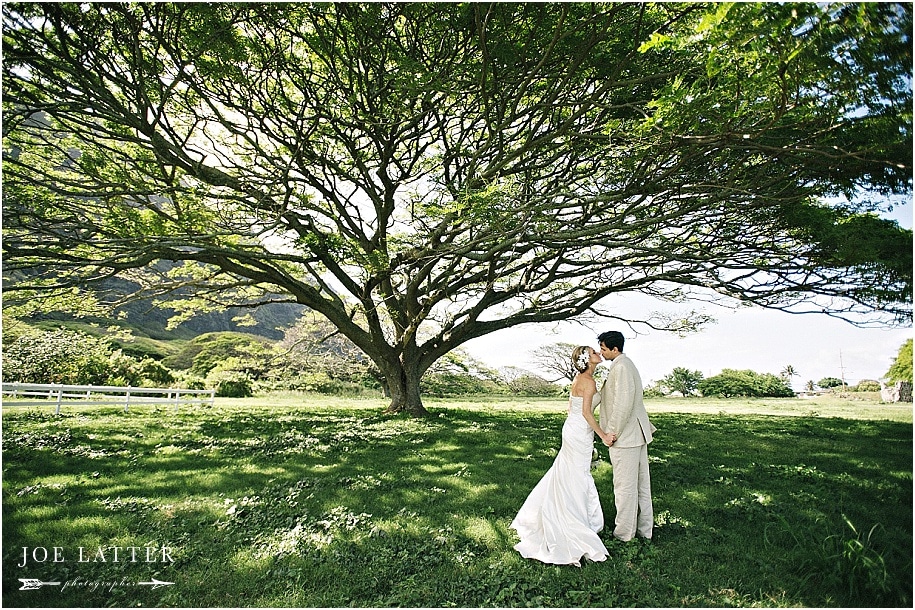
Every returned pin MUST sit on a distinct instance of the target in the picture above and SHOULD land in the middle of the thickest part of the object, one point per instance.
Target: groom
(623, 415)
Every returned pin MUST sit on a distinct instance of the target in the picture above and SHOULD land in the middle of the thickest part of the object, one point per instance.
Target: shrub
(155, 372)
(206, 352)
(443, 385)
(315, 381)
(732, 383)
(231, 378)
(653, 391)
(59, 356)
(188, 381)
(122, 370)
(867, 385)
(533, 385)
(231, 384)
(72, 357)
(830, 382)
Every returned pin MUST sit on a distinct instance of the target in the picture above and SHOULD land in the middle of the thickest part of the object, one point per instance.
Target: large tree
(424, 174)
(901, 369)
(556, 358)
(683, 380)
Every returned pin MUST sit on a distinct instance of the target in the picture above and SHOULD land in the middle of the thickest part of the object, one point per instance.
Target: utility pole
(842, 368)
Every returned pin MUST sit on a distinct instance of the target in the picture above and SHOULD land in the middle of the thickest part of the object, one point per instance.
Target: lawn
(313, 501)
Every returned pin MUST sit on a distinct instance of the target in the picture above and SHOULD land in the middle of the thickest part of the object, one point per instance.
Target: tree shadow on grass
(280, 509)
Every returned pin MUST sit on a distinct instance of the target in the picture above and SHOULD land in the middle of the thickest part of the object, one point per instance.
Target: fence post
(60, 395)
(127, 402)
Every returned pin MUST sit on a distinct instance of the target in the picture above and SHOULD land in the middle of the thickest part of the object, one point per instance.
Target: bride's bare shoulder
(582, 385)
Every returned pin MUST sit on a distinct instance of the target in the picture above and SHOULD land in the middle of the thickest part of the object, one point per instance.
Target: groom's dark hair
(611, 339)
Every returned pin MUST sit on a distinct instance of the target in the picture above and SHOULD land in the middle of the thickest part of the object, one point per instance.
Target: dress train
(559, 521)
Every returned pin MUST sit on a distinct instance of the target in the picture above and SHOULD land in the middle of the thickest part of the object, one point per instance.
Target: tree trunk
(405, 397)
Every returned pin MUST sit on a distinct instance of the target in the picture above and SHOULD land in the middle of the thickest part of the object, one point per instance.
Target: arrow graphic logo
(29, 584)
(155, 583)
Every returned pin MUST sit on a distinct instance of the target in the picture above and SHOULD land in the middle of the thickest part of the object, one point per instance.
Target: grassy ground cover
(297, 501)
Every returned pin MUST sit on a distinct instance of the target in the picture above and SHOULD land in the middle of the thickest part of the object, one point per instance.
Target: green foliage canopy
(68, 357)
(682, 380)
(901, 369)
(830, 382)
(423, 174)
(207, 351)
(730, 383)
(868, 385)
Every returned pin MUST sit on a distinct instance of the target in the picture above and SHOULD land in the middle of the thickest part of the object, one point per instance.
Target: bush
(155, 372)
(231, 379)
(867, 385)
(653, 391)
(731, 383)
(443, 385)
(830, 382)
(122, 371)
(231, 384)
(317, 381)
(71, 357)
(204, 353)
(534, 385)
(59, 356)
(189, 381)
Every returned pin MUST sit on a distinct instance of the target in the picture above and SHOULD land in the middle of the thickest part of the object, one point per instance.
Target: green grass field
(316, 501)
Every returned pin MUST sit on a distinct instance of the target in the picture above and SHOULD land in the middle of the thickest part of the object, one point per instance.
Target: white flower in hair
(583, 359)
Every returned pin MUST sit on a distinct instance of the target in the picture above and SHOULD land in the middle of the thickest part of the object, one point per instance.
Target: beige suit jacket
(622, 410)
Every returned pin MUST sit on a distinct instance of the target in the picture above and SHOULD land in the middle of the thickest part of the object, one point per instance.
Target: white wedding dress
(559, 521)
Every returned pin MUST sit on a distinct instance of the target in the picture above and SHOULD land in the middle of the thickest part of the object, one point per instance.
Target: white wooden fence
(28, 394)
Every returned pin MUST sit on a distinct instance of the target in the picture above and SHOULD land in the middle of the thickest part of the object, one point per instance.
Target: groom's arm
(623, 398)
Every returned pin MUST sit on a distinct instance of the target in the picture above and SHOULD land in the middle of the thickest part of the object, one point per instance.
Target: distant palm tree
(787, 373)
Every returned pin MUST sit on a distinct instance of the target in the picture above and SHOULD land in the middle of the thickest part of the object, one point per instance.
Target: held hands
(608, 439)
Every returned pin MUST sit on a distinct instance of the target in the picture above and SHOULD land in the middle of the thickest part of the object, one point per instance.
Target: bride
(559, 521)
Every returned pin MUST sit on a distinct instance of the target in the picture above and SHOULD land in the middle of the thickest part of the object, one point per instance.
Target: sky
(765, 341)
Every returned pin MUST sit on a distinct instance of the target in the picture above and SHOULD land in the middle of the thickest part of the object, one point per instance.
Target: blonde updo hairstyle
(581, 358)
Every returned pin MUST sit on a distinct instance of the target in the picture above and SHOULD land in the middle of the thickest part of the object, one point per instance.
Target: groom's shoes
(641, 539)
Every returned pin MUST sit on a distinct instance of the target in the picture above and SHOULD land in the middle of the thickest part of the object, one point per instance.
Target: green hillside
(140, 329)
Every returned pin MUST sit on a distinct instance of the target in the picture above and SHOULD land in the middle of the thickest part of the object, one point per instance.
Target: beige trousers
(632, 492)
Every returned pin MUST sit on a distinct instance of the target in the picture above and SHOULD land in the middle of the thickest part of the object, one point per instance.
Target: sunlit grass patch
(486, 533)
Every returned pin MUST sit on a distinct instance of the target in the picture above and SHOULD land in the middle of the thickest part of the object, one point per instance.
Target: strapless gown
(559, 521)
